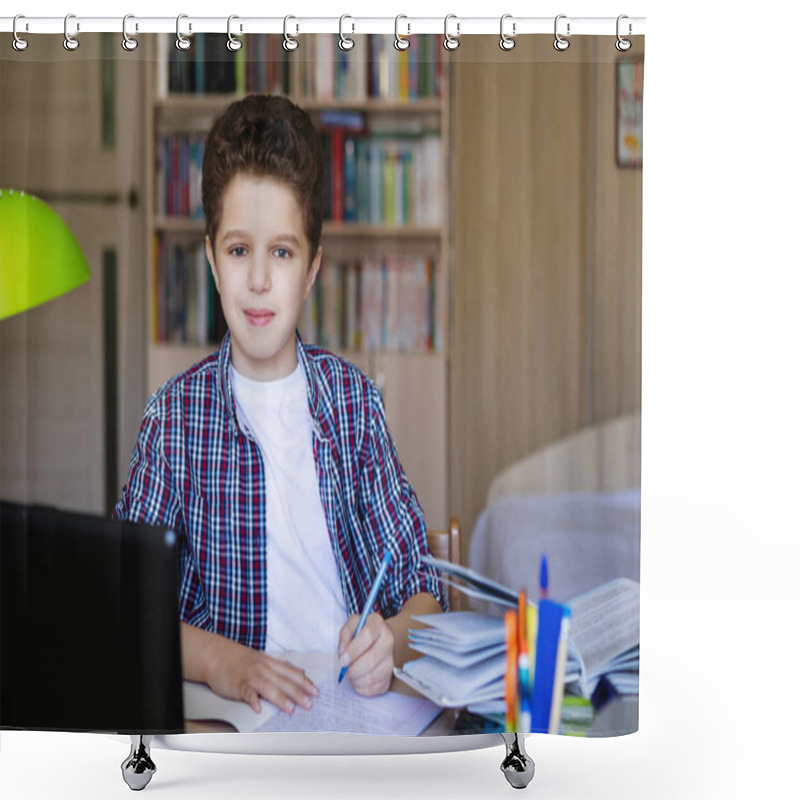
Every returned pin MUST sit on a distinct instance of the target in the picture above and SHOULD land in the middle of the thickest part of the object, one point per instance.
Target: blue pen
(373, 593)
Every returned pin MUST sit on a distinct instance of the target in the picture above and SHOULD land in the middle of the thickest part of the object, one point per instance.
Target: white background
(720, 531)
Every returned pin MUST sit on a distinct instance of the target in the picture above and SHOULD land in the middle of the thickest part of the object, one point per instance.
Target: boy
(273, 457)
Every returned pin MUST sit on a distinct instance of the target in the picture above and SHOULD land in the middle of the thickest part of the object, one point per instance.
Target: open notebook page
(337, 708)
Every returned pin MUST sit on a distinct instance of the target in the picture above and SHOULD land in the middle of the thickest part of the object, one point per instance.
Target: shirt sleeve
(392, 512)
(149, 496)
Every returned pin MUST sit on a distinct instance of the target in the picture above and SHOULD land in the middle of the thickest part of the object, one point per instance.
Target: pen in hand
(373, 593)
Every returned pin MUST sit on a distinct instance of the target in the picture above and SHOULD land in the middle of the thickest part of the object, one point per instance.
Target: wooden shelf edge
(210, 102)
(330, 229)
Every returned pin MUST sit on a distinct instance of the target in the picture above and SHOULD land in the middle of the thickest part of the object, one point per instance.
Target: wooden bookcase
(412, 378)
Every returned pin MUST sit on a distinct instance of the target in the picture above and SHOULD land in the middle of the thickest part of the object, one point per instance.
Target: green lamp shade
(39, 257)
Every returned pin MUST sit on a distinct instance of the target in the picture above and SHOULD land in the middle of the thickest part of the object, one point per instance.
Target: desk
(619, 716)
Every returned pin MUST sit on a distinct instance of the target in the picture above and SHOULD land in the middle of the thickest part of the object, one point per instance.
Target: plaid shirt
(197, 469)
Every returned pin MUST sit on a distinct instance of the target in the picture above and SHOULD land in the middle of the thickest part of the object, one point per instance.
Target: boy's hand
(241, 673)
(369, 657)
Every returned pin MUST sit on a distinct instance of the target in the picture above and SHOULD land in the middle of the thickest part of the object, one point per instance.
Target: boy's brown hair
(265, 136)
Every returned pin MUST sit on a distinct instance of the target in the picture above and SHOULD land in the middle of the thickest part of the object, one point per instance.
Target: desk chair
(447, 545)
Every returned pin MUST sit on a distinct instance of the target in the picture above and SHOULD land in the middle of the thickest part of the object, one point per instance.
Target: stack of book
(535, 668)
(464, 658)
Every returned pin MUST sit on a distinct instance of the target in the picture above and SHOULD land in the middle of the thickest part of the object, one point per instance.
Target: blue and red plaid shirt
(196, 469)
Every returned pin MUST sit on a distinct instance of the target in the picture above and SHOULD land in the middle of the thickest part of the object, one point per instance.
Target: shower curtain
(481, 266)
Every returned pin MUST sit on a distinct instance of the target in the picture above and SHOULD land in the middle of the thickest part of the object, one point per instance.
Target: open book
(604, 638)
(603, 633)
(337, 709)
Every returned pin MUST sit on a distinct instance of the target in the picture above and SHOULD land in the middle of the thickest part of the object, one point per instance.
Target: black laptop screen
(89, 623)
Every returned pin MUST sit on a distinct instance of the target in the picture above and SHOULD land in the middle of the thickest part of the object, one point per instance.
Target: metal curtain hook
(623, 44)
(289, 44)
(561, 43)
(401, 42)
(451, 42)
(128, 42)
(507, 42)
(345, 43)
(70, 42)
(19, 44)
(234, 44)
(181, 42)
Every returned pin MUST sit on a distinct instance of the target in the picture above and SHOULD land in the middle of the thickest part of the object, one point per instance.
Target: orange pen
(512, 670)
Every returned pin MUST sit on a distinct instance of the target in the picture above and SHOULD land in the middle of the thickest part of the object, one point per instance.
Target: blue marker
(373, 593)
(543, 578)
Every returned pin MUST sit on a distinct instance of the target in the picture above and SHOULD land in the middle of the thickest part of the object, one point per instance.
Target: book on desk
(490, 663)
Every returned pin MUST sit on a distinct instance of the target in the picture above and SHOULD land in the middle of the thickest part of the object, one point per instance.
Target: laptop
(89, 623)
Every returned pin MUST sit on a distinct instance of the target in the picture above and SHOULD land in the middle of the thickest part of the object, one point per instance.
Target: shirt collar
(312, 379)
(226, 384)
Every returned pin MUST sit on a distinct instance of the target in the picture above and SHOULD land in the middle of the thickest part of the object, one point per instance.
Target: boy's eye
(282, 252)
(237, 251)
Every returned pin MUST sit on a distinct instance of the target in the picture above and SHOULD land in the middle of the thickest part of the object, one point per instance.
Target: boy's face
(261, 268)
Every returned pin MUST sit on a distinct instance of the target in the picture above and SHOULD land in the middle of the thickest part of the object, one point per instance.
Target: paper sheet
(337, 708)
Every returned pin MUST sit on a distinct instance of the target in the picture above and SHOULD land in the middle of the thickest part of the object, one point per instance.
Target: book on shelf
(179, 163)
(381, 176)
(373, 304)
(185, 301)
(326, 73)
(208, 67)
(375, 69)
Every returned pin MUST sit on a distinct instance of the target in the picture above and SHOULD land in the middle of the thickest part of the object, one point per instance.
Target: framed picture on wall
(630, 74)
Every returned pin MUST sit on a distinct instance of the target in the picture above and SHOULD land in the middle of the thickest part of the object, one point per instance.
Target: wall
(545, 291)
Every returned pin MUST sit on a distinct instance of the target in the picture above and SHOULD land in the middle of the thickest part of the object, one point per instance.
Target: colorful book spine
(337, 174)
(185, 306)
(380, 179)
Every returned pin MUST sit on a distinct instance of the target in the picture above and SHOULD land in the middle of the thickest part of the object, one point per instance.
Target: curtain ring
(451, 42)
(345, 43)
(181, 42)
(129, 43)
(19, 44)
(233, 43)
(561, 44)
(289, 44)
(401, 42)
(70, 42)
(623, 45)
(507, 42)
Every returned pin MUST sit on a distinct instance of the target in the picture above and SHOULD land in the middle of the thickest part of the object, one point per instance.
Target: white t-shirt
(305, 602)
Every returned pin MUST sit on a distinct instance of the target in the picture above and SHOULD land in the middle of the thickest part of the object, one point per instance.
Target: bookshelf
(381, 298)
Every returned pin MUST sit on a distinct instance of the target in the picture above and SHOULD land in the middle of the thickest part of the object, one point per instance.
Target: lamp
(39, 257)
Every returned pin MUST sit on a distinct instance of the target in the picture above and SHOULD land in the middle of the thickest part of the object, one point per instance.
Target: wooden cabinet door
(72, 371)
(415, 395)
